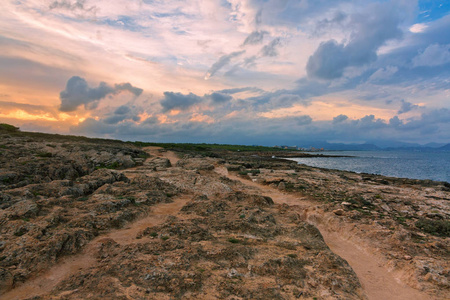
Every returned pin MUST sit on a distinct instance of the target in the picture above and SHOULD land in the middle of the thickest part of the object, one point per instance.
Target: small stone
(346, 203)
(233, 273)
(282, 186)
(338, 212)
(385, 207)
(407, 257)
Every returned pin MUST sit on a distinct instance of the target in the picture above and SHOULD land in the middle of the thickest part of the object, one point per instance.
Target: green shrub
(9, 128)
(434, 227)
(44, 154)
(233, 240)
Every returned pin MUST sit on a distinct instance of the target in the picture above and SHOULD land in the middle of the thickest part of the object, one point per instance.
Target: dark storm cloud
(79, 93)
(372, 30)
(179, 101)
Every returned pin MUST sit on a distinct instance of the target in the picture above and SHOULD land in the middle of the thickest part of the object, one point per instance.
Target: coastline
(238, 222)
(420, 166)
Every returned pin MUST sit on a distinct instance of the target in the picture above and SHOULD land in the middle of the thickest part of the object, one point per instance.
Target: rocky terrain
(96, 219)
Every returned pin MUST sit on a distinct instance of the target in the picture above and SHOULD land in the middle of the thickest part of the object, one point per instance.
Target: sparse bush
(9, 128)
(434, 227)
(233, 240)
(44, 154)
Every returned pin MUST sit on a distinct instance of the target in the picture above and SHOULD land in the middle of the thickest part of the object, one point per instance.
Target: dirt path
(376, 279)
(160, 152)
(46, 281)
(68, 266)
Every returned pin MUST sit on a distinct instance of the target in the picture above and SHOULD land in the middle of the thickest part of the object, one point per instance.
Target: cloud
(179, 101)
(325, 24)
(383, 73)
(372, 30)
(75, 6)
(270, 49)
(30, 108)
(369, 122)
(122, 110)
(78, 4)
(339, 119)
(128, 87)
(256, 37)
(303, 120)
(395, 122)
(219, 98)
(123, 113)
(406, 107)
(286, 99)
(240, 90)
(223, 61)
(79, 93)
(433, 55)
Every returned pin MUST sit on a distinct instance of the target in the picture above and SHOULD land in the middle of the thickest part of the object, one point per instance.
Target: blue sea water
(434, 165)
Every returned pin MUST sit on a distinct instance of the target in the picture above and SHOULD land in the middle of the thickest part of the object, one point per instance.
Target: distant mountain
(375, 145)
(446, 147)
(435, 145)
(340, 146)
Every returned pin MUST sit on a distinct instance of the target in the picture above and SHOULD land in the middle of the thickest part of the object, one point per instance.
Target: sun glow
(23, 115)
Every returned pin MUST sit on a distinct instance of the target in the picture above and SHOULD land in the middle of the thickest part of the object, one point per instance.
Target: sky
(260, 72)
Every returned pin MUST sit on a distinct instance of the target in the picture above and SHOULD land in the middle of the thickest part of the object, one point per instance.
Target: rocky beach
(103, 219)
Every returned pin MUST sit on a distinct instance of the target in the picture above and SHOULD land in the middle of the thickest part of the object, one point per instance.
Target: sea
(434, 165)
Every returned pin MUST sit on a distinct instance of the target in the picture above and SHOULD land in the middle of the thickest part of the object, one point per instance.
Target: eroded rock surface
(103, 202)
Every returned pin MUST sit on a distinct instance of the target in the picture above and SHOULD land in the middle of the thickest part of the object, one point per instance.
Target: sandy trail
(67, 266)
(160, 152)
(375, 277)
(45, 282)
(377, 281)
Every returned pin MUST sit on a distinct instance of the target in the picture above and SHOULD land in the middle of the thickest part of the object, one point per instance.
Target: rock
(407, 257)
(338, 212)
(233, 273)
(281, 186)
(24, 209)
(7, 177)
(233, 167)
(6, 280)
(203, 163)
(385, 207)
(346, 203)
(158, 163)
